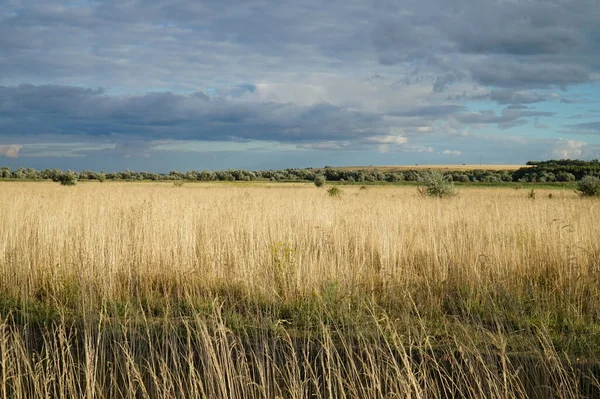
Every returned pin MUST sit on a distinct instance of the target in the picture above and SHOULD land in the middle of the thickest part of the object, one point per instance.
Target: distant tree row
(557, 170)
(543, 171)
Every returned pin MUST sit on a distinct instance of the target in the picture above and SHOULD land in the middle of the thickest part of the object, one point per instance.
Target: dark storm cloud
(517, 44)
(523, 74)
(536, 43)
(164, 43)
(61, 110)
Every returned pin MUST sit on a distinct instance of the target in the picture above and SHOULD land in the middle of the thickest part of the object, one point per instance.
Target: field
(215, 290)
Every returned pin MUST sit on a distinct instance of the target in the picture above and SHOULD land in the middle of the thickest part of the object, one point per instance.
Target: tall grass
(147, 290)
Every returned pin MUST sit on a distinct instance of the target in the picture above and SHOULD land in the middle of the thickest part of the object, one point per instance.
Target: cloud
(11, 150)
(511, 96)
(517, 44)
(518, 74)
(418, 148)
(451, 152)
(534, 43)
(509, 117)
(430, 110)
(389, 139)
(327, 145)
(132, 121)
(585, 128)
(566, 149)
(342, 75)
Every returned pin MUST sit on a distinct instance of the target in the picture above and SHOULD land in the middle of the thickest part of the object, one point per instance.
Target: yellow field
(233, 286)
(100, 232)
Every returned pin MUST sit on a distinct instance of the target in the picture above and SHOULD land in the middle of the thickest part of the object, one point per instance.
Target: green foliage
(69, 178)
(335, 192)
(541, 172)
(319, 180)
(564, 170)
(589, 186)
(460, 177)
(565, 176)
(435, 184)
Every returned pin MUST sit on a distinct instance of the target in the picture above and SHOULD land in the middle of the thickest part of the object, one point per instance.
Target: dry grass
(209, 290)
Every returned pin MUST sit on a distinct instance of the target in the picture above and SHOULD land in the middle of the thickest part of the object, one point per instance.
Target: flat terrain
(279, 290)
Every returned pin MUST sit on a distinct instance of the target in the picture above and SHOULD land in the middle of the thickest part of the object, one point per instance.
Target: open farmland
(266, 290)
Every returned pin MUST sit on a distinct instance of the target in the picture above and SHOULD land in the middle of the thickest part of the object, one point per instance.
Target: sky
(163, 85)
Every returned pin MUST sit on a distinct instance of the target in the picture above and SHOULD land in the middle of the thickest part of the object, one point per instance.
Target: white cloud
(389, 139)
(451, 152)
(10, 150)
(565, 149)
(418, 148)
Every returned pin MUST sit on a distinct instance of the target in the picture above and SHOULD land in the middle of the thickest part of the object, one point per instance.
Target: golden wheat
(377, 260)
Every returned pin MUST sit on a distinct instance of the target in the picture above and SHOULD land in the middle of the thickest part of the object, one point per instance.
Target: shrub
(412, 175)
(69, 178)
(319, 180)
(435, 184)
(565, 176)
(178, 183)
(334, 192)
(461, 178)
(492, 178)
(395, 177)
(101, 177)
(589, 186)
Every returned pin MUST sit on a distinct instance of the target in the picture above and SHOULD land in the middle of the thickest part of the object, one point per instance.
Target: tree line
(537, 171)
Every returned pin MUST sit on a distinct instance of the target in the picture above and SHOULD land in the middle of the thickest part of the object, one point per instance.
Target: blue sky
(176, 85)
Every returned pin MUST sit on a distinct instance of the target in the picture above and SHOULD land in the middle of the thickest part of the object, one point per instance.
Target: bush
(319, 180)
(178, 183)
(335, 192)
(101, 177)
(589, 186)
(461, 178)
(565, 176)
(69, 178)
(437, 185)
(492, 178)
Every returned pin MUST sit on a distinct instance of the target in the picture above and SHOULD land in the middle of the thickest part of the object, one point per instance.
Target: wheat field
(279, 290)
